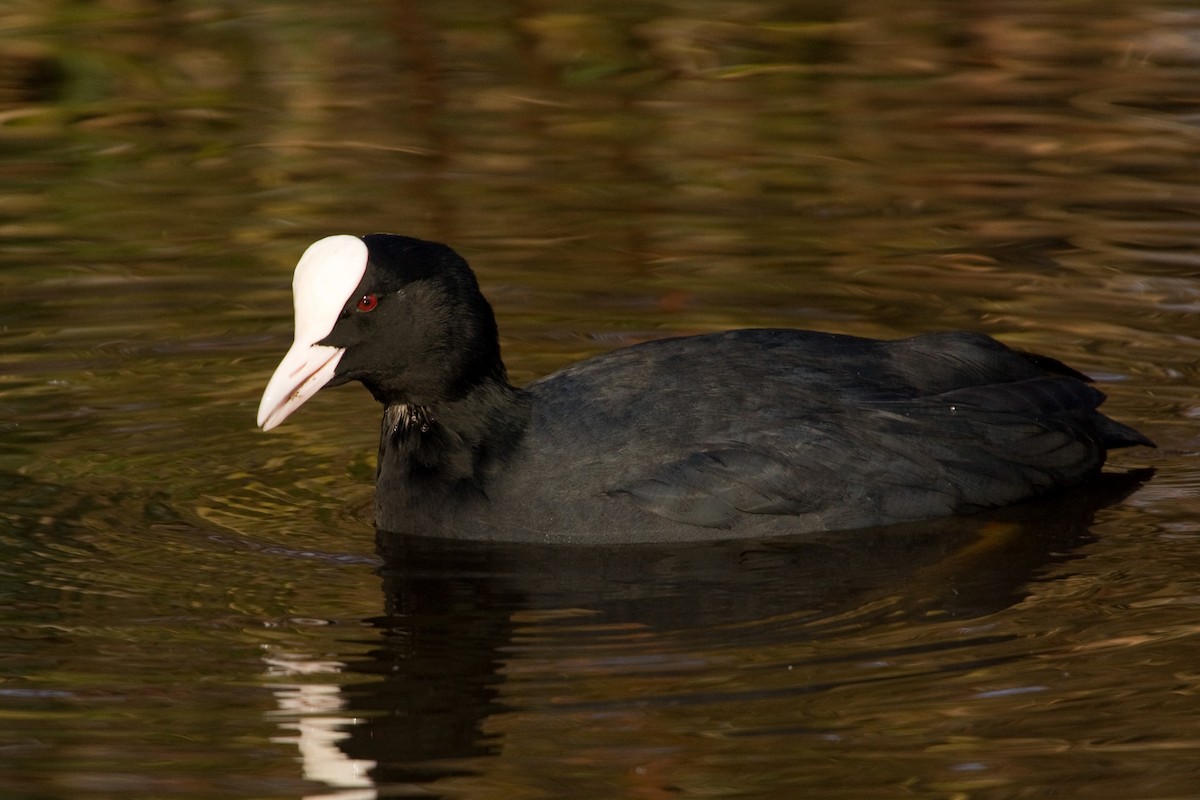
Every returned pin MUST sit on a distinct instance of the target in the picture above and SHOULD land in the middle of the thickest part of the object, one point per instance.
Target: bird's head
(403, 316)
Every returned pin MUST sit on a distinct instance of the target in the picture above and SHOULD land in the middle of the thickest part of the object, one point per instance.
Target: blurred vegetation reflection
(185, 600)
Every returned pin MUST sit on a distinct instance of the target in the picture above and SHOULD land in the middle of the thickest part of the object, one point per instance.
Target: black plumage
(743, 433)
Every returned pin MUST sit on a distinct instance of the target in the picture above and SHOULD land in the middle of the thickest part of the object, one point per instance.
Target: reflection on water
(193, 609)
(490, 659)
(315, 718)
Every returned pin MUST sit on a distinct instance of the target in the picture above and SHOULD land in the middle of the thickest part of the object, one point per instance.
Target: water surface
(192, 608)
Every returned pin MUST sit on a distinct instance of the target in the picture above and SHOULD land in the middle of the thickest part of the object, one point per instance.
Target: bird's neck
(442, 456)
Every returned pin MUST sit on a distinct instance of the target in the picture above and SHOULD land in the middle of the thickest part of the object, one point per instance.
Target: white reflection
(309, 711)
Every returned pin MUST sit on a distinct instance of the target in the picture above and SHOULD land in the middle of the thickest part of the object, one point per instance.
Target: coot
(743, 433)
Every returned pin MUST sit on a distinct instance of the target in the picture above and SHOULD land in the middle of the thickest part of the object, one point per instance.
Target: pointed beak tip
(303, 371)
(264, 419)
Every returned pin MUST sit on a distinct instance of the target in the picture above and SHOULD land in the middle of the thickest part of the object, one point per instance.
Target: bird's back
(757, 432)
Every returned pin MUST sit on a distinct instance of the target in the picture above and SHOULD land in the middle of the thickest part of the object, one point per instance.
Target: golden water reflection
(192, 609)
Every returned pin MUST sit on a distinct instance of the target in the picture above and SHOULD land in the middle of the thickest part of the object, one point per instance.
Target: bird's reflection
(447, 636)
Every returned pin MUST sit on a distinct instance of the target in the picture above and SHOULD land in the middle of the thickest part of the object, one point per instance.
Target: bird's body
(744, 433)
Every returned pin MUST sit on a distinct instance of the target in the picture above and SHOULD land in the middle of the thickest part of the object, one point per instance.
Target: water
(191, 608)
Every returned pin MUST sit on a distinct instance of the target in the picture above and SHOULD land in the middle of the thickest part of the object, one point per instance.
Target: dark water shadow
(452, 609)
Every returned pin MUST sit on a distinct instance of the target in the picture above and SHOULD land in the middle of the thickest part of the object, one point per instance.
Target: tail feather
(1115, 434)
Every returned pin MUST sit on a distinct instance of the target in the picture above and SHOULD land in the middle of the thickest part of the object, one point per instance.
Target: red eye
(367, 302)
